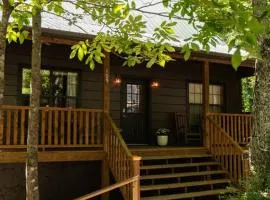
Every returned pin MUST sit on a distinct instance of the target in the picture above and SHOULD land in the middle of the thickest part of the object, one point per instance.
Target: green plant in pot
(162, 136)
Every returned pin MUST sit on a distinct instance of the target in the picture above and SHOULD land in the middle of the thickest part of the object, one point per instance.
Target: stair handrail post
(136, 172)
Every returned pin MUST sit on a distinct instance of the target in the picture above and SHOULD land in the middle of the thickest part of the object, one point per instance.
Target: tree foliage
(247, 93)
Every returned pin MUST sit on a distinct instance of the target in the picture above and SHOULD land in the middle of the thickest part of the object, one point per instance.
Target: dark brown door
(134, 111)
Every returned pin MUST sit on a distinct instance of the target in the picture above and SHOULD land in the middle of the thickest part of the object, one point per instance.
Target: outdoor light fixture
(117, 80)
(154, 84)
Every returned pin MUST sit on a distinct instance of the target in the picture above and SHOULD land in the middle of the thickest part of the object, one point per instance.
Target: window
(134, 98)
(215, 98)
(195, 95)
(58, 88)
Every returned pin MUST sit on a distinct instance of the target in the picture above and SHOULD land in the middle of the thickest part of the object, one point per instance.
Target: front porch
(79, 129)
(74, 134)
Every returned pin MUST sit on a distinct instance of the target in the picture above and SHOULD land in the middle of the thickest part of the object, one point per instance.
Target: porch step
(191, 194)
(163, 151)
(179, 175)
(185, 184)
(184, 176)
(167, 157)
(164, 166)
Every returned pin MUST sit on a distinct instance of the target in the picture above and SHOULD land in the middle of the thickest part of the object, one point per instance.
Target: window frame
(51, 69)
(200, 105)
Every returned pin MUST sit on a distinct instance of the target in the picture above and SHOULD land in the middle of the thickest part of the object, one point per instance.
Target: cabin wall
(65, 180)
(57, 57)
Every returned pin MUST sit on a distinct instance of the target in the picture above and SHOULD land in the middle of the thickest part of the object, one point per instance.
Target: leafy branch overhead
(215, 21)
(124, 28)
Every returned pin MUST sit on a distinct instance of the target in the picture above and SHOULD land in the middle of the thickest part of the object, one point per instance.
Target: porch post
(106, 83)
(105, 173)
(205, 101)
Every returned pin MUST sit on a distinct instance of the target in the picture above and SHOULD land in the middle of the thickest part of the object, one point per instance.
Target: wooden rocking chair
(183, 131)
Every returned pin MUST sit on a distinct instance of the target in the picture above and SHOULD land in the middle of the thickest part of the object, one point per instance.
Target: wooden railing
(121, 162)
(59, 127)
(238, 126)
(226, 151)
(108, 189)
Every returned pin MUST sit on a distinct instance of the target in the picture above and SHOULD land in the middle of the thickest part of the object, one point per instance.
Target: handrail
(238, 126)
(11, 107)
(108, 188)
(228, 152)
(121, 162)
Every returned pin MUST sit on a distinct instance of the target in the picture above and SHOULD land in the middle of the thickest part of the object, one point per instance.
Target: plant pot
(162, 140)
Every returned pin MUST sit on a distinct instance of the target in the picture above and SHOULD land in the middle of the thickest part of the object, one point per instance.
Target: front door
(133, 111)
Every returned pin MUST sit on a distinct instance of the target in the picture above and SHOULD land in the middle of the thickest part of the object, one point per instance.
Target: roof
(87, 27)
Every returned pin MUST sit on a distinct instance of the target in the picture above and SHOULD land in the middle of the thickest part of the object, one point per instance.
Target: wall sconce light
(154, 84)
(117, 80)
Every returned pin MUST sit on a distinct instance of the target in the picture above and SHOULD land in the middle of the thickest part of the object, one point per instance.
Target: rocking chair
(191, 135)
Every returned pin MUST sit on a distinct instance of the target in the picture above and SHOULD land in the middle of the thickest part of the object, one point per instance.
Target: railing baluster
(50, 123)
(93, 127)
(81, 133)
(75, 128)
(56, 123)
(8, 127)
(98, 128)
(15, 128)
(62, 139)
(43, 126)
(68, 127)
(22, 126)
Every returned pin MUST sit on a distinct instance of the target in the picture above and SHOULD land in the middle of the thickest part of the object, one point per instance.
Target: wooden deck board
(53, 156)
(162, 151)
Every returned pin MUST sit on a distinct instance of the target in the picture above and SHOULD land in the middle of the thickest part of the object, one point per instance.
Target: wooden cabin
(97, 128)
(108, 118)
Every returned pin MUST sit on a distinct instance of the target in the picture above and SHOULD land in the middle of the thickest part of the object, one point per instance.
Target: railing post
(136, 172)
(105, 174)
(205, 102)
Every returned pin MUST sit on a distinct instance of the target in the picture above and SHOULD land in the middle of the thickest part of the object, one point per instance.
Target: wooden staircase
(184, 176)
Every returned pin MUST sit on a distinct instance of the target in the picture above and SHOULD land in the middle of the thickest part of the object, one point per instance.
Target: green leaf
(21, 38)
(92, 65)
(118, 7)
(187, 54)
(169, 48)
(11, 2)
(256, 26)
(151, 62)
(80, 54)
(162, 62)
(165, 3)
(73, 54)
(236, 59)
(133, 5)
(195, 47)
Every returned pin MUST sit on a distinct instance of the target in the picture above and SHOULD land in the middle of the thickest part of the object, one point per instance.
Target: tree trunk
(260, 143)
(32, 187)
(6, 10)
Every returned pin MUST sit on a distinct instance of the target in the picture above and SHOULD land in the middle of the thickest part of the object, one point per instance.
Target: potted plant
(162, 136)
